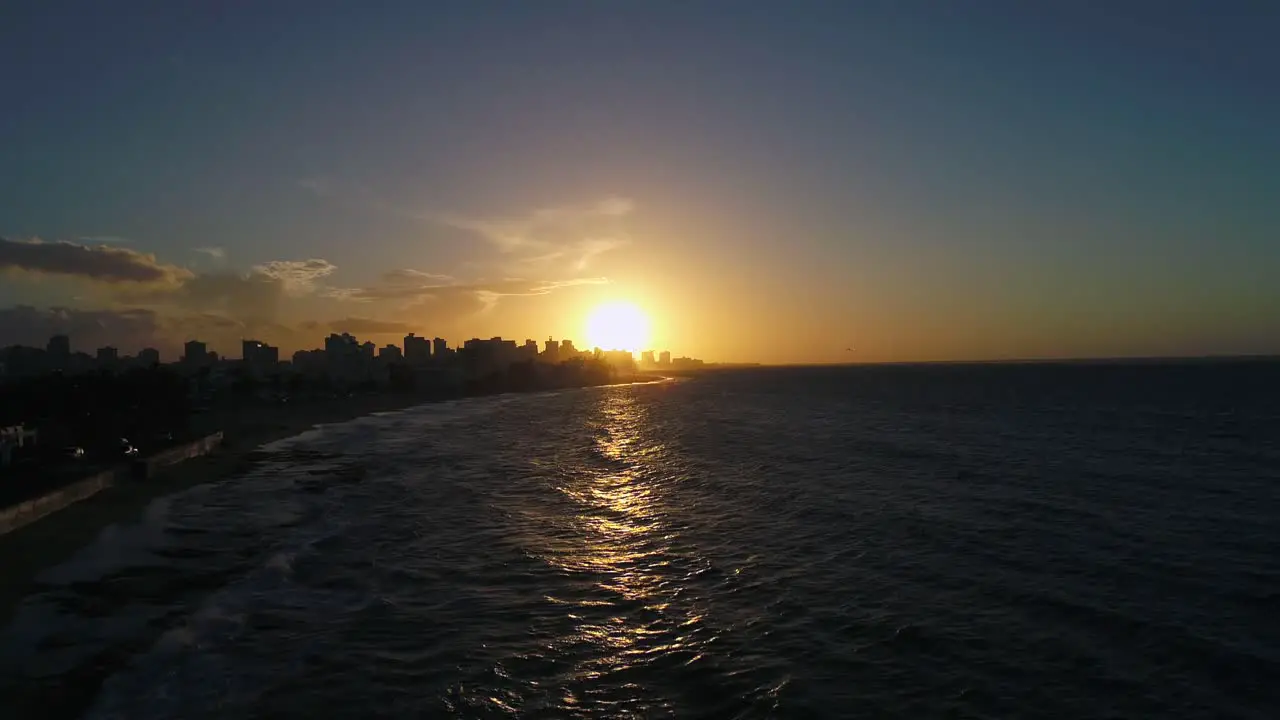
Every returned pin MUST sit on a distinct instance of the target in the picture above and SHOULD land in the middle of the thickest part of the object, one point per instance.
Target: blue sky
(919, 180)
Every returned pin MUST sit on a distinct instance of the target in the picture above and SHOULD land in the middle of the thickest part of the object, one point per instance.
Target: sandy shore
(26, 552)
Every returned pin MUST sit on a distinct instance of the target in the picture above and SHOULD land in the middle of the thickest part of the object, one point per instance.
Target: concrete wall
(149, 466)
(15, 516)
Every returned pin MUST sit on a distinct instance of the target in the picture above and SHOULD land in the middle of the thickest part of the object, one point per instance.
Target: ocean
(969, 541)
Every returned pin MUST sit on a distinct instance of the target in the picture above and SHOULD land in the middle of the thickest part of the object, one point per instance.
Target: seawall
(29, 511)
(149, 466)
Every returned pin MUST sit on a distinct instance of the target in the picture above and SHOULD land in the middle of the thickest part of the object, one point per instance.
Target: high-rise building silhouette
(259, 357)
(337, 346)
(195, 354)
(59, 350)
(529, 351)
(664, 357)
(417, 350)
(439, 347)
(148, 357)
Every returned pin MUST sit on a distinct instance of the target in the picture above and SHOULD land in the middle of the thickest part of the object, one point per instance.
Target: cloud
(129, 330)
(407, 275)
(216, 253)
(566, 236)
(298, 276)
(516, 286)
(344, 294)
(249, 298)
(368, 326)
(400, 288)
(321, 186)
(402, 283)
(100, 263)
(252, 297)
(588, 249)
(391, 291)
(570, 232)
(449, 306)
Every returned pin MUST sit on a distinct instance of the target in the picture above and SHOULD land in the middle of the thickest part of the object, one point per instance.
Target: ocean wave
(796, 545)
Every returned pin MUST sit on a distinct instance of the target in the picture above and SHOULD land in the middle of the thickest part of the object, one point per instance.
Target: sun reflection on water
(621, 542)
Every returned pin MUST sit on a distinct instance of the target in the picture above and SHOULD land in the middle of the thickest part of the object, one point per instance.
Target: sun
(618, 326)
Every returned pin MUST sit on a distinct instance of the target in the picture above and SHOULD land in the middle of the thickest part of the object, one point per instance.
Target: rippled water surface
(1019, 541)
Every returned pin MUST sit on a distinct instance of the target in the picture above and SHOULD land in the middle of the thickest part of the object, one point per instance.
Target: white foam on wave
(286, 443)
(43, 620)
(196, 662)
(281, 561)
(119, 545)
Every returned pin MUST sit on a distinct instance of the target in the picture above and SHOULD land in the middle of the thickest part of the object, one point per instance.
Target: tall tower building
(59, 348)
(195, 353)
(417, 350)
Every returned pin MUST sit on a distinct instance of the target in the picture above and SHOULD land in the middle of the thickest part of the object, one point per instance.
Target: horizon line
(1261, 357)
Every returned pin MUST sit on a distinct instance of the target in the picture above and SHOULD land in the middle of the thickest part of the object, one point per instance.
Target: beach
(53, 539)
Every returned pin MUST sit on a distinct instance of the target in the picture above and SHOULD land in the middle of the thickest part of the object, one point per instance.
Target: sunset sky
(771, 182)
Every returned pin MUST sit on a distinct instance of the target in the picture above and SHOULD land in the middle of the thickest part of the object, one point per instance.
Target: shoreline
(55, 538)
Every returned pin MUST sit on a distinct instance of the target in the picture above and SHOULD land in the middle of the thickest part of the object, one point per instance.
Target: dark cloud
(252, 298)
(222, 308)
(132, 329)
(358, 326)
(101, 263)
(247, 298)
(128, 330)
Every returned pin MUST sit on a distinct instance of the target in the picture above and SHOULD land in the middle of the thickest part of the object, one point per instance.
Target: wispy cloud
(590, 248)
(575, 232)
(298, 276)
(417, 291)
(568, 236)
(411, 276)
(319, 185)
(347, 294)
(403, 283)
(216, 253)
